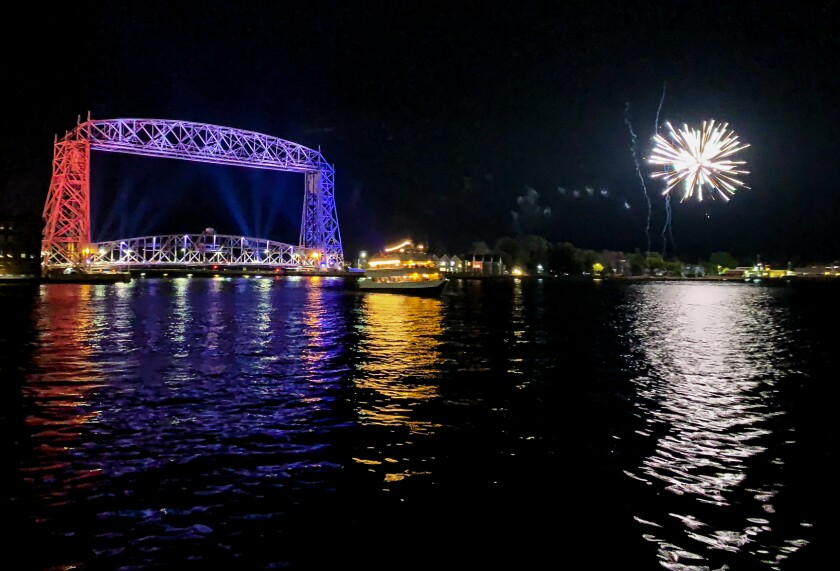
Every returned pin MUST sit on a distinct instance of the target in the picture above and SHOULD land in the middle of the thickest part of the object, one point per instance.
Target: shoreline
(123, 277)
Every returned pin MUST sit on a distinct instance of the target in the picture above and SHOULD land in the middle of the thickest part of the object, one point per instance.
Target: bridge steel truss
(199, 250)
(67, 228)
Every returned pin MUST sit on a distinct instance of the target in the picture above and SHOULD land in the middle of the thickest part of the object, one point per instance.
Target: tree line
(534, 253)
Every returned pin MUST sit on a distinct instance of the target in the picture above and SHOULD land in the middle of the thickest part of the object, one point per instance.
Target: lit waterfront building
(20, 248)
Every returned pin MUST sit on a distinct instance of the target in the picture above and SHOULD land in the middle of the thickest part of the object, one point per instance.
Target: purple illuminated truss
(207, 249)
(67, 241)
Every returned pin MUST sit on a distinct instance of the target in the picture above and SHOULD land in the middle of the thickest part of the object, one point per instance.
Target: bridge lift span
(67, 228)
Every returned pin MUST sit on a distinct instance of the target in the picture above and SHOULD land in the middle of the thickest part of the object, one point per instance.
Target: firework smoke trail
(638, 171)
(667, 227)
(659, 109)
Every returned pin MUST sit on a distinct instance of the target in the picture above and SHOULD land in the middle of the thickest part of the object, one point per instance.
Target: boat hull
(431, 288)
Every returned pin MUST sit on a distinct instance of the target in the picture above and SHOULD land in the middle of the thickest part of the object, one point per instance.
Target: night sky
(449, 124)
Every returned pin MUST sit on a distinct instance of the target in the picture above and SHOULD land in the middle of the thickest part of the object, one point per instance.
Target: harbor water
(296, 423)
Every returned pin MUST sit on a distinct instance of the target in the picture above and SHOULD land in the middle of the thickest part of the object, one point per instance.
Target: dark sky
(449, 124)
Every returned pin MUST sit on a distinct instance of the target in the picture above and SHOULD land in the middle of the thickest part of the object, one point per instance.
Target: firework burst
(699, 159)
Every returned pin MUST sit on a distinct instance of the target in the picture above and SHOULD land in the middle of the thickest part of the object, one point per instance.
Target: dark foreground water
(294, 423)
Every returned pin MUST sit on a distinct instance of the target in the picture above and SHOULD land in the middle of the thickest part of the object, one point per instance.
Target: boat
(403, 268)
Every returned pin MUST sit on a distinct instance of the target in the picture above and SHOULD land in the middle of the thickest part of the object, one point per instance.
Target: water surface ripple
(296, 423)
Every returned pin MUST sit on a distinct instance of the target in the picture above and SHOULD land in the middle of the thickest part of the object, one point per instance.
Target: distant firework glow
(698, 159)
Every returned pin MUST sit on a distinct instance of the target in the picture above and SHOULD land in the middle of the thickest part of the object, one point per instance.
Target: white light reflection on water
(180, 316)
(713, 353)
(518, 328)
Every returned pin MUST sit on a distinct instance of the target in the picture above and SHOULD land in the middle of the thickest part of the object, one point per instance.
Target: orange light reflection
(401, 343)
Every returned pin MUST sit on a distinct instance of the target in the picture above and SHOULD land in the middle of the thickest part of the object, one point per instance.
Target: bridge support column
(319, 227)
(311, 233)
(66, 239)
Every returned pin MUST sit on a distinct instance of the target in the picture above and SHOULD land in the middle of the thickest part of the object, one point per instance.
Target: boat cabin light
(399, 247)
(375, 263)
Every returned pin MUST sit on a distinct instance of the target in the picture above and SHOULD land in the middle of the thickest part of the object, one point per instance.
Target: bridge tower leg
(311, 235)
(66, 238)
(329, 221)
(319, 226)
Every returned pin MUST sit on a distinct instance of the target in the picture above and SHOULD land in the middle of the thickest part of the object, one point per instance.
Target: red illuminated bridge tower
(67, 236)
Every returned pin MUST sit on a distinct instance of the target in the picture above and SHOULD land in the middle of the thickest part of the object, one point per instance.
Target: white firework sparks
(698, 159)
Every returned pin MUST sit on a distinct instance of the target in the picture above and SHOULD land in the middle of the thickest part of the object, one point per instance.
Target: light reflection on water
(260, 423)
(713, 355)
(67, 328)
(400, 341)
(400, 347)
(182, 392)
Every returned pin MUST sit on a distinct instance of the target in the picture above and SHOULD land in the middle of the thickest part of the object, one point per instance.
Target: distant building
(693, 271)
(765, 271)
(819, 270)
(738, 272)
(456, 264)
(20, 247)
(477, 264)
(486, 264)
